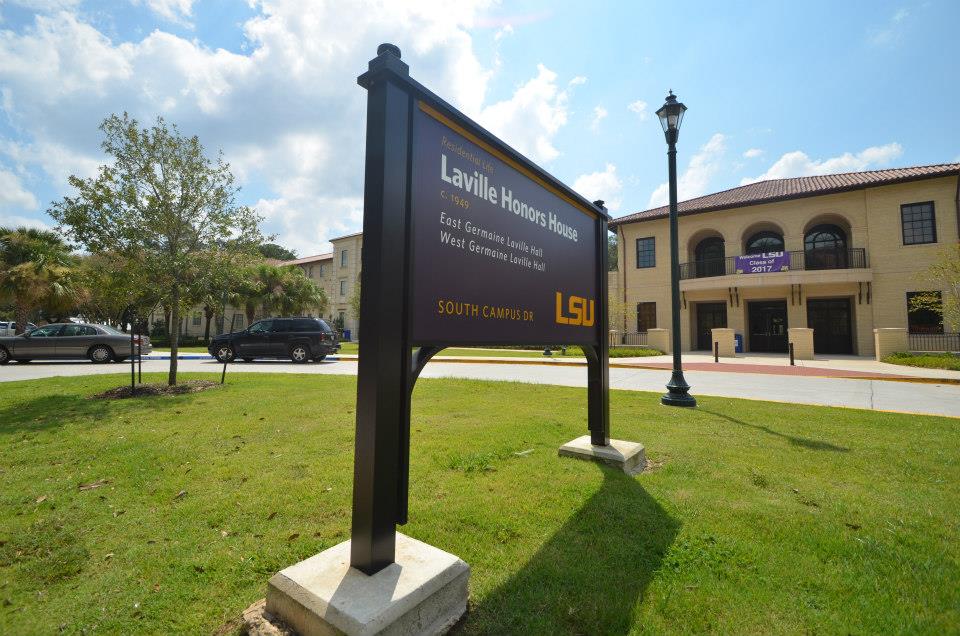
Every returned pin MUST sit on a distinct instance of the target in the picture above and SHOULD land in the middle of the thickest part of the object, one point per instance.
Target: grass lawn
(949, 361)
(762, 518)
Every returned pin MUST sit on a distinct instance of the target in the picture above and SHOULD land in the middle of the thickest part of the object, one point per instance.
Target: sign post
(466, 242)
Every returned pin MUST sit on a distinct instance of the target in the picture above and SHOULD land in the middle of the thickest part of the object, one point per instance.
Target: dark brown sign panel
(498, 256)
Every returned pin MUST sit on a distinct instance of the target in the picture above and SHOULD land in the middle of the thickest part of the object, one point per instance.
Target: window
(825, 247)
(239, 320)
(343, 287)
(919, 223)
(646, 252)
(261, 327)
(926, 319)
(709, 256)
(77, 330)
(45, 332)
(763, 242)
(343, 258)
(310, 272)
(646, 316)
(280, 326)
(196, 319)
(321, 270)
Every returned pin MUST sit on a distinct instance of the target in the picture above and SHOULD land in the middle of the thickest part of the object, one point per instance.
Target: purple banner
(762, 263)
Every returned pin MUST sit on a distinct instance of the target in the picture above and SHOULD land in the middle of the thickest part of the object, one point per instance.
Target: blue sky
(775, 89)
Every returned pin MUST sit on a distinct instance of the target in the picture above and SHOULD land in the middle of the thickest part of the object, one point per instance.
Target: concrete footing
(423, 592)
(630, 457)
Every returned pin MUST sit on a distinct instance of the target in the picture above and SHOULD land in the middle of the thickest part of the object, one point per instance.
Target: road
(908, 397)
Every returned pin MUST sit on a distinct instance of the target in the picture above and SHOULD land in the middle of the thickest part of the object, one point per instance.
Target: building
(840, 254)
(338, 273)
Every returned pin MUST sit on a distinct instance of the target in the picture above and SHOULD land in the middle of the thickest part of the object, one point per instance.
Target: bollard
(716, 352)
(791, 354)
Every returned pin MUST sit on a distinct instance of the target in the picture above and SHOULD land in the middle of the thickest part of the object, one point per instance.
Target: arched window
(825, 247)
(763, 242)
(709, 255)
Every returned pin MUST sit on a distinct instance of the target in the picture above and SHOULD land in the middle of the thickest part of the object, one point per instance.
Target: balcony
(798, 260)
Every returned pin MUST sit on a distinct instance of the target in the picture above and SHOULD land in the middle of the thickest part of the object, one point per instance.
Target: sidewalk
(854, 367)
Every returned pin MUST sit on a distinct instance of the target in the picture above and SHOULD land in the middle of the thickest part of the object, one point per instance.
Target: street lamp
(671, 115)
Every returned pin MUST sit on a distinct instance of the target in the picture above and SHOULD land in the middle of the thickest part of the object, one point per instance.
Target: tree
(612, 251)
(276, 252)
(277, 290)
(113, 285)
(164, 205)
(355, 300)
(36, 269)
(943, 275)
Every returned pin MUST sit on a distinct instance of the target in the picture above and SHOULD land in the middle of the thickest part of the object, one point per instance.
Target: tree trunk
(174, 336)
(20, 314)
(208, 311)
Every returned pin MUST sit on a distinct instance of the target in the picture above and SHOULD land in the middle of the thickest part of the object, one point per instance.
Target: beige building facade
(838, 254)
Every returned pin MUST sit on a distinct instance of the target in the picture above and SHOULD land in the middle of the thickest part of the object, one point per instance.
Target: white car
(10, 328)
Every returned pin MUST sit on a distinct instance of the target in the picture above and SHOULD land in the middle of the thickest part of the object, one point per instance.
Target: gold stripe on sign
(460, 130)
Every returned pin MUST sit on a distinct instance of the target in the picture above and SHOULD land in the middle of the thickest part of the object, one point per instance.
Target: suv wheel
(4, 356)
(300, 353)
(224, 353)
(101, 354)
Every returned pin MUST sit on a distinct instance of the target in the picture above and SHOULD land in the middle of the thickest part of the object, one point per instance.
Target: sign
(499, 257)
(465, 242)
(762, 263)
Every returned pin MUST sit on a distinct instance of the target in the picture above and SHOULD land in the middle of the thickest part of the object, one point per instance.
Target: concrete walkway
(884, 395)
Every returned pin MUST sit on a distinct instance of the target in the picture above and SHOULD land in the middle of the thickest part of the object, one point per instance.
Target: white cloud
(604, 185)
(891, 32)
(696, 178)
(532, 116)
(287, 113)
(13, 194)
(177, 11)
(798, 164)
(752, 153)
(15, 220)
(599, 112)
(640, 108)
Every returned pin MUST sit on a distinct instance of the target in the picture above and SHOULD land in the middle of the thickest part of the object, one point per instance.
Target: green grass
(762, 518)
(949, 361)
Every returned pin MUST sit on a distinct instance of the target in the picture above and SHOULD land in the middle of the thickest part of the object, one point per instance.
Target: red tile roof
(309, 259)
(795, 188)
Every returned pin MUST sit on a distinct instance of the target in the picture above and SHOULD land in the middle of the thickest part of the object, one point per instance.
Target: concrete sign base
(629, 457)
(423, 592)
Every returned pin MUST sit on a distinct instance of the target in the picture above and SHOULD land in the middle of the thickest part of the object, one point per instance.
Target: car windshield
(111, 330)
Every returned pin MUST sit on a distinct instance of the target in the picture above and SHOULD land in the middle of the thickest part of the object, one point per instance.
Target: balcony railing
(847, 258)
(922, 342)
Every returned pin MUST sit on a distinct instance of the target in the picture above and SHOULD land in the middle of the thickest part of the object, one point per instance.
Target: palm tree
(35, 269)
(277, 290)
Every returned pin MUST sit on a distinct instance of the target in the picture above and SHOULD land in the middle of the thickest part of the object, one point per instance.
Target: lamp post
(671, 115)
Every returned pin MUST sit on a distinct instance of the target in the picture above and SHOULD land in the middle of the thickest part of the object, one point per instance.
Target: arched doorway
(763, 242)
(825, 247)
(709, 257)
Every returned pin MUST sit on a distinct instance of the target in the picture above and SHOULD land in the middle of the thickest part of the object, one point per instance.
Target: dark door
(255, 341)
(709, 315)
(830, 319)
(280, 338)
(768, 326)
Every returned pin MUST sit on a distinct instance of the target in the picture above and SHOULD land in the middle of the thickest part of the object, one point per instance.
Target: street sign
(465, 241)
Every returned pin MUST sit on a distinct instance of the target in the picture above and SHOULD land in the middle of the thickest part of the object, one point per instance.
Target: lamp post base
(679, 392)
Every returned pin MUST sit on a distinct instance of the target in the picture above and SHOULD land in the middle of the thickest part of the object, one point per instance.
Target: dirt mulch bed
(141, 390)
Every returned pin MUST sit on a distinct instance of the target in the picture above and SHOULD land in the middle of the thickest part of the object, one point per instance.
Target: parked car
(10, 328)
(64, 341)
(300, 339)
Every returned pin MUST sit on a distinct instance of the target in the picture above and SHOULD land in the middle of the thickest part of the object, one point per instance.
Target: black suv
(300, 339)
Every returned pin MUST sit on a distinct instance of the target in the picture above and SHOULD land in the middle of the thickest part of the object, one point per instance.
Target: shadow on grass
(46, 412)
(812, 444)
(588, 578)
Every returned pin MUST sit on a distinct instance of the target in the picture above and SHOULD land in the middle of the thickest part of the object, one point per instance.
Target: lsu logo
(579, 311)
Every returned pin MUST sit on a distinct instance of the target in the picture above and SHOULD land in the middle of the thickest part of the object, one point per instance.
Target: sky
(774, 89)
